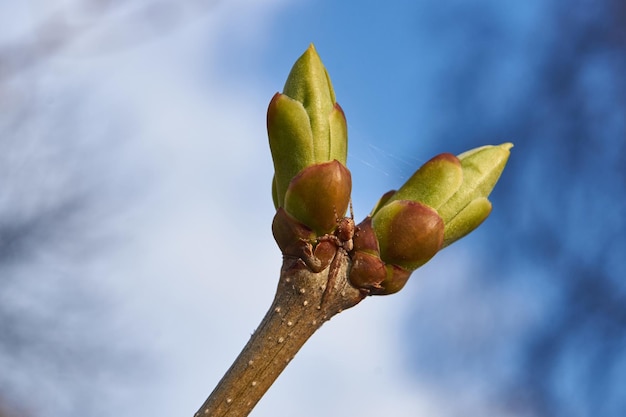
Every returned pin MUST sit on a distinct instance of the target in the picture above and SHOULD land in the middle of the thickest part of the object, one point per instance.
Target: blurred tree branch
(565, 216)
(122, 24)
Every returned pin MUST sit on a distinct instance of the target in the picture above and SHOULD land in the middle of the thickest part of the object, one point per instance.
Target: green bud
(308, 139)
(457, 187)
(305, 124)
(469, 207)
(442, 202)
(308, 83)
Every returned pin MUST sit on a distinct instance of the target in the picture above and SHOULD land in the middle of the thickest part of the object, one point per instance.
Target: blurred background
(136, 256)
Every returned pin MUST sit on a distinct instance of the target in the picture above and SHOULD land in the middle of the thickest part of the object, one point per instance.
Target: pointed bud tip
(340, 110)
(506, 146)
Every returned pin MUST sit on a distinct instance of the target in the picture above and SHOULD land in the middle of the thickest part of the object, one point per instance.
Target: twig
(304, 301)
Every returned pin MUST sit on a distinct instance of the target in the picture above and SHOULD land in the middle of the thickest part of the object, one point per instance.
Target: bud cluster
(308, 139)
(442, 202)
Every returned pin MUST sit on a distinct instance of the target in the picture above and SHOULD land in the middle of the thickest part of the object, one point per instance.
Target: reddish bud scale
(369, 272)
(290, 235)
(319, 195)
(401, 236)
(395, 280)
(365, 239)
(409, 233)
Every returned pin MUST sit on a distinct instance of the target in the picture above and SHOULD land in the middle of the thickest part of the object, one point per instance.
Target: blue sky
(142, 146)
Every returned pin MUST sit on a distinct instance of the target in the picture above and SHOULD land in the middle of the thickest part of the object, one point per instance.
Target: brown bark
(304, 301)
